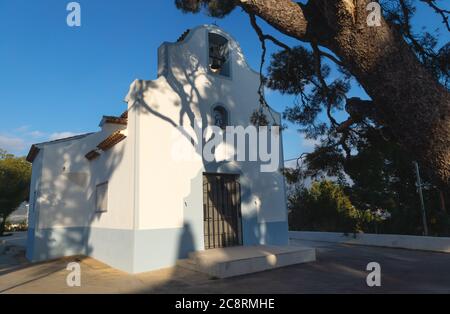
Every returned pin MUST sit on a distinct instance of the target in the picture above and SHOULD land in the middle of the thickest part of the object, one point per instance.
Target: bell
(216, 64)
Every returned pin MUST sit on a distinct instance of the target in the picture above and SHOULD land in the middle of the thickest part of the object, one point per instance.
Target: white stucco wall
(68, 181)
(155, 202)
(170, 191)
(64, 220)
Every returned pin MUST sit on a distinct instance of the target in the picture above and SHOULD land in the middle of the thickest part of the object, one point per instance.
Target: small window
(219, 62)
(101, 198)
(220, 117)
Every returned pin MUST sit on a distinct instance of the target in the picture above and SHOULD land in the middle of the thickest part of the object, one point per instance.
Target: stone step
(240, 260)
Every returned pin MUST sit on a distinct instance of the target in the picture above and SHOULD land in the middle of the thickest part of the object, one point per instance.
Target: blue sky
(56, 81)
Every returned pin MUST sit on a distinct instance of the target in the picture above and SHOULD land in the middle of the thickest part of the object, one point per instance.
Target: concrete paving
(338, 269)
(12, 249)
(16, 238)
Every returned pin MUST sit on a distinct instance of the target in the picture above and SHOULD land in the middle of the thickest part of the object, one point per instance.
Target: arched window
(220, 117)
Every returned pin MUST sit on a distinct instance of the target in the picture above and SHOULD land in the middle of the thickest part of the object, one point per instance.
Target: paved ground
(339, 269)
(16, 238)
(15, 243)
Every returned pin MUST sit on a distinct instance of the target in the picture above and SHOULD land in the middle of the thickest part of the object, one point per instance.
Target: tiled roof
(34, 151)
(116, 120)
(111, 140)
(92, 155)
(183, 36)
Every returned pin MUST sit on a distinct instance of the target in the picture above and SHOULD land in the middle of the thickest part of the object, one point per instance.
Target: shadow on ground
(339, 269)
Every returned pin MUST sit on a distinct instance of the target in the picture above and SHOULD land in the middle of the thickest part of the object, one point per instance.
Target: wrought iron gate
(221, 210)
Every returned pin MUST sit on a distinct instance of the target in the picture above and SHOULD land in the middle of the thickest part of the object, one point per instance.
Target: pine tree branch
(284, 15)
(262, 38)
(331, 57)
(442, 12)
(324, 86)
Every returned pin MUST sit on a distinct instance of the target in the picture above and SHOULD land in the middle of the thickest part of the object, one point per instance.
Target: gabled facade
(125, 195)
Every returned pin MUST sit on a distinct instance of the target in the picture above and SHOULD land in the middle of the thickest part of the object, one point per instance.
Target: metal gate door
(221, 210)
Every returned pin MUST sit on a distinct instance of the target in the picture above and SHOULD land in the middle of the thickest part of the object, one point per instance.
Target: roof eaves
(111, 140)
(35, 148)
(66, 139)
(34, 151)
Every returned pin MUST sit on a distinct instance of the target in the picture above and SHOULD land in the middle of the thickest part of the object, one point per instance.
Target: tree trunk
(408, 100)
(442, 201)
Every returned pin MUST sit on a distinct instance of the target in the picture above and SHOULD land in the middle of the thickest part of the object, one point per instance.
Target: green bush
(15, 175)
(325, 207)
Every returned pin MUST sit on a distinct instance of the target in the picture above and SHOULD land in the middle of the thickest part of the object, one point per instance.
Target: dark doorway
(222, 210)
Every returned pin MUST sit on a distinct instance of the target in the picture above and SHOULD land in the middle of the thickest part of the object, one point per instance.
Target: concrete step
(240, 260)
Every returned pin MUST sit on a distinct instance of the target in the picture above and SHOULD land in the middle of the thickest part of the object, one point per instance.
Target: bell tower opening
(219, 54)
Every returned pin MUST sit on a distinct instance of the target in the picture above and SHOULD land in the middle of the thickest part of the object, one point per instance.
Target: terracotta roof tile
(92, 155)
(183, 36)
(111, 140)
(116, 120)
